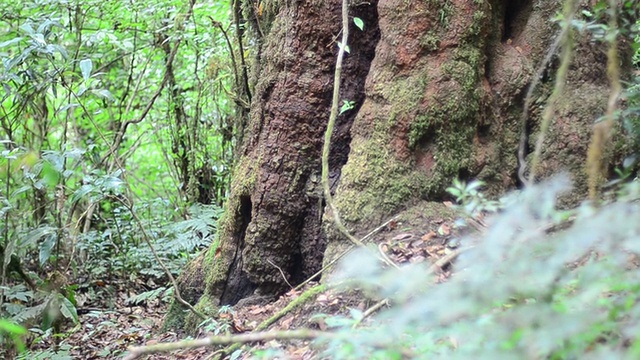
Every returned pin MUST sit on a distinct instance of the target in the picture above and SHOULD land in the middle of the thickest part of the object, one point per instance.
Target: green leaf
(359, 23)
(10, 42)
(35, 235)
(346, 106)
(50, 174)
(14, 331)
(104, 93)
(85, 67)
(67, 309)
(27, 28)
(46, 248)
(17, 192)
(346, 47)
(236, 354)
(81, 192)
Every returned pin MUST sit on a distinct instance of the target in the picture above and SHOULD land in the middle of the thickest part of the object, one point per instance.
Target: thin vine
(602, 130)
(566, 43)
(327, 135)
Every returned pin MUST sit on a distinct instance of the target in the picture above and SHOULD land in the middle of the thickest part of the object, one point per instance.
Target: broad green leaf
(35, 235)
(27, 28)
(67, 309)
(50, 175)
(46, 248)
(359, 23)
(85, 67)
(81, 192)
(10, 42)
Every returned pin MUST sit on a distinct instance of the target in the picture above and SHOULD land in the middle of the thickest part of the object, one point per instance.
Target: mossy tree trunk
(438, 88)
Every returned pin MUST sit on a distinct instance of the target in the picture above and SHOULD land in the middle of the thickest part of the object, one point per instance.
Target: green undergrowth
(539, 282)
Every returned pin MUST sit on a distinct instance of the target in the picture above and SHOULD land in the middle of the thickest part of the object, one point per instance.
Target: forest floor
(424, 233)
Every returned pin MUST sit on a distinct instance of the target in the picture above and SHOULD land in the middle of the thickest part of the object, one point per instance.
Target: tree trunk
(439, 88)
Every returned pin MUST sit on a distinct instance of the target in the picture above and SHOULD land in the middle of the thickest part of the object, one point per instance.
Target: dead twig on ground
(302, 334)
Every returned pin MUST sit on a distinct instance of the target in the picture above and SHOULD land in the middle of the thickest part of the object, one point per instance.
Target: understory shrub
(539, 283)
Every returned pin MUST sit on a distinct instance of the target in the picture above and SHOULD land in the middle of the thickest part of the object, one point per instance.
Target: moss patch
(415, 132)
(379, 181)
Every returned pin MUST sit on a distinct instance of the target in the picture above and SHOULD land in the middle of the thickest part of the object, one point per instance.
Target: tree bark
(439, 89)
(271, 235)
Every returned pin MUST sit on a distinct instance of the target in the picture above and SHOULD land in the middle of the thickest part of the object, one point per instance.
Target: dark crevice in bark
(484, 132)
(515, 17)
(355, 70)
(238, 287)
(527, 129)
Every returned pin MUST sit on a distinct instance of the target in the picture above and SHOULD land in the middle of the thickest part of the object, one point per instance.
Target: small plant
(163, 293)
(221, 325)
(346, 106)
(470, 196)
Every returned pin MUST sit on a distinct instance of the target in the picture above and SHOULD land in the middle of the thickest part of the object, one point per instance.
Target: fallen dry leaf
(444, 230)
(286, 323)
(430, 235)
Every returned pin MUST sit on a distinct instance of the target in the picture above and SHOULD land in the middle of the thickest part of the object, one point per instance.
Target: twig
(281, 272)
(297, 302)
(303, 334)
(372, 232)
(345, 252)
(370, 311)
(445, 260)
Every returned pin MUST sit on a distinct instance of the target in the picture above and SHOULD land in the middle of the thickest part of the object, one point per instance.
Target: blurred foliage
(539, 283)
(534, 285)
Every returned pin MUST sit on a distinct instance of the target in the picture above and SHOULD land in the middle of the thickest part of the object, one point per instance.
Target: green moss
(445, 10)
(174, 319)
(440, 107)
(206, 306)
(379, 181)
(450, 119)
(430, 41)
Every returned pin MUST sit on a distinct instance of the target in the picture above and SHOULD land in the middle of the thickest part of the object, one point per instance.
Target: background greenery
(117, 134)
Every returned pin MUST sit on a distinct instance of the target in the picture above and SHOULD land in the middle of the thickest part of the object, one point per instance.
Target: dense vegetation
(118, 140)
